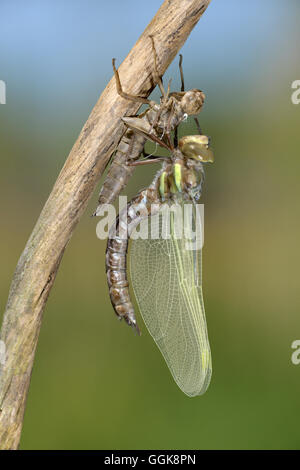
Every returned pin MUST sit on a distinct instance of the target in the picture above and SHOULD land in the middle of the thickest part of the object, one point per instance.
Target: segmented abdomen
(116, 252)
(129, 149)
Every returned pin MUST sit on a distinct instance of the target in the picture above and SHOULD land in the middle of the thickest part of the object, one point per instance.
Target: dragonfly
(160, 119)
(165, 275)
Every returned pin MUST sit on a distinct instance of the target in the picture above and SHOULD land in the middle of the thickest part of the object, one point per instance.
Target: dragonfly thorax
(192, 102)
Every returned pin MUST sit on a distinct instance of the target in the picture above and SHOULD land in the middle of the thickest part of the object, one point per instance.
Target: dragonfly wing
(166, 278)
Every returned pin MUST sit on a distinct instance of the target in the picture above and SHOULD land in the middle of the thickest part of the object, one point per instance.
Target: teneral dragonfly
(160, 118)
(165, 274)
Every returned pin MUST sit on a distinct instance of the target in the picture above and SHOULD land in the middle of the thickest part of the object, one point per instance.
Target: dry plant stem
(38, 264)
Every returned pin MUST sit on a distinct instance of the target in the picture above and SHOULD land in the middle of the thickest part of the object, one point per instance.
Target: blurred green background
(95, 384)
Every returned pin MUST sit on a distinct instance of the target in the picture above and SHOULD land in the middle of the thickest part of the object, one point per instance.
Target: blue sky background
(55, 47)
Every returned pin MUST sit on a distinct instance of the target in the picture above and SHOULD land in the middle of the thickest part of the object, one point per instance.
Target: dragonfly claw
(132, 322)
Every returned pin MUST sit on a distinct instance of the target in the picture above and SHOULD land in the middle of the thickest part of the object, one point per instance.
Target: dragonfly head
(192, 101)
(197, 148)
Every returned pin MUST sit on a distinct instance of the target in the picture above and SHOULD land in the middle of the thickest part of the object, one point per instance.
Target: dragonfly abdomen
(130, 148)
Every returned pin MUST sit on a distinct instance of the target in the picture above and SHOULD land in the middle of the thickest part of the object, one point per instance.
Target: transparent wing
(166, 278)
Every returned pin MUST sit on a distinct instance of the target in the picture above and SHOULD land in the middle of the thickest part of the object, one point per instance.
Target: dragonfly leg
(147, 161)
(148, 155)
(163, 185)
(136, 98)
(161, 108)
(197, 191)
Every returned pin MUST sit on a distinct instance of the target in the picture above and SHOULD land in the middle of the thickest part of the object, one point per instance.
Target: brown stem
(38, 265)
